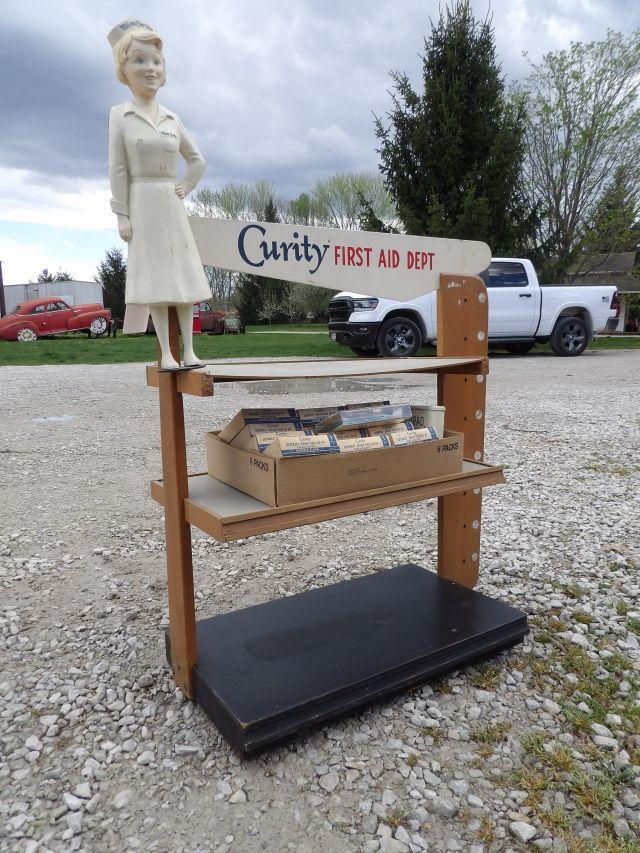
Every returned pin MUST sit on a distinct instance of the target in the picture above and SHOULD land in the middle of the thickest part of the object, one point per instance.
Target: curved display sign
(397, 266)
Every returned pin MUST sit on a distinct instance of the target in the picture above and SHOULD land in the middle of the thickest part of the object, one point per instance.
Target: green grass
(289, 327)
(596, 683)
(78, 349)
(81, 350)
(494, 733)
(486, 676)
(615, 343)
(598, 344)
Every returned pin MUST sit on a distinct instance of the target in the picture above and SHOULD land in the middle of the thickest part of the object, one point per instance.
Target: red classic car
(212, 321)
(216, 322)
(36, 317)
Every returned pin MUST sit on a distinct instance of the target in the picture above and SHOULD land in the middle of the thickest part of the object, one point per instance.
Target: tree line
(545, 168)
(334, 202)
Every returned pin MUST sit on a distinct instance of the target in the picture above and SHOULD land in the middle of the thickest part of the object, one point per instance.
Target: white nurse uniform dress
(163, 266)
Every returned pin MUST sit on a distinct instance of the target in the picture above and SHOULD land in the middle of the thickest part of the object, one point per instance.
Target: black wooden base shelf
(267, 672)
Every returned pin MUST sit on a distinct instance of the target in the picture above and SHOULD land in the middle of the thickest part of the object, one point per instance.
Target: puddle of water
(326, 386)
(52, 419)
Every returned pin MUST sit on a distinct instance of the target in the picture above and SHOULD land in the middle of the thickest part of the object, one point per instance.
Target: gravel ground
(537, 747)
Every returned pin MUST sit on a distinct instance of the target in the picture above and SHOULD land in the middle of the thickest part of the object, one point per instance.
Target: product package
(423, 416)
(260, 436)
(365, 417)
(297, 419)
(285, 446)
(258, 416)
(387, 429)
(312, 417)
(416, 436)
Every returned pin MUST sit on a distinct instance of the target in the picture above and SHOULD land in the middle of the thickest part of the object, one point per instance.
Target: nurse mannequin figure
(145, 139)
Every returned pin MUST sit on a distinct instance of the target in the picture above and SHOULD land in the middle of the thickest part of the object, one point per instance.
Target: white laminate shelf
(226, 513)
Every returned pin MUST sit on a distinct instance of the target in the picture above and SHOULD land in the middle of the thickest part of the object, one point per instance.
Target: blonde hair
(121, 50)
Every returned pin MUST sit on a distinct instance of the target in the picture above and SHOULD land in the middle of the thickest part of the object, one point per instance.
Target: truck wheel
(399, 337)
(519, 349)
(570, 336)
(363, 352)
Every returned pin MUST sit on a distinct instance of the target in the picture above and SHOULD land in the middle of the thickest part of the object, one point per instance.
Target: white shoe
(192, 360)
(169, 363)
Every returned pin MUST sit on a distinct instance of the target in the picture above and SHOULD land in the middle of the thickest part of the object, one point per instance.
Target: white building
(72, 292)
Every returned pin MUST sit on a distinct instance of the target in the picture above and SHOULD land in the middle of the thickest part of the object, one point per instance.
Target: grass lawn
(289, 327)
(615, 343)
(78, 349)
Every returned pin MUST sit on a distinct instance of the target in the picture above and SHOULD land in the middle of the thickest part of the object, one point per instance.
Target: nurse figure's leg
(185, 319)
(160, 315)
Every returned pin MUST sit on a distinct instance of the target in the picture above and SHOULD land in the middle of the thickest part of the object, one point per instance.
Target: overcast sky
(282, 90)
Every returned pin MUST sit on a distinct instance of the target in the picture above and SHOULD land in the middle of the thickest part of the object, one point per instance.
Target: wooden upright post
(462, 330)
(182, 617)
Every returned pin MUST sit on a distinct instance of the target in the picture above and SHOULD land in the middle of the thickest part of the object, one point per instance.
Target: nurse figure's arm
(119, 176)
(195, 163)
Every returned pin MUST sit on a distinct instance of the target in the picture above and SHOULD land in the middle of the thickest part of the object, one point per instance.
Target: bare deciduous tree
(271, 307)
(583, 124)
(337, 200)
(223, 285)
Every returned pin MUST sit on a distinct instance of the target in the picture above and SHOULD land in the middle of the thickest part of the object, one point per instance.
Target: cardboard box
(278, 482)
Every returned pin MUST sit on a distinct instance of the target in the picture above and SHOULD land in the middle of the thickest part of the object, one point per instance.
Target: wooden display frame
(461, 367)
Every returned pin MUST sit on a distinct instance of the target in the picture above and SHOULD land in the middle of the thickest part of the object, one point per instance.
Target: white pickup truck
(521, 313)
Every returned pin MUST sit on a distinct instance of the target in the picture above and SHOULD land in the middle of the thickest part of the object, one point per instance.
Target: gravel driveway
(539, 746)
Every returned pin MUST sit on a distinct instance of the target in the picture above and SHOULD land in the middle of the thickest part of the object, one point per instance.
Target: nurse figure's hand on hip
(145, 139)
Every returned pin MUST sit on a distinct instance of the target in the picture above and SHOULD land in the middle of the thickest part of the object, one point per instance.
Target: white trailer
(72, 292)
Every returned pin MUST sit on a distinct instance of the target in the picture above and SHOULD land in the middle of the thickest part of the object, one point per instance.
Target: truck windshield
(17, 309)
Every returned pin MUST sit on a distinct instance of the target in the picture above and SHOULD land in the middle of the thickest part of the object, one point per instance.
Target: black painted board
(268, 671)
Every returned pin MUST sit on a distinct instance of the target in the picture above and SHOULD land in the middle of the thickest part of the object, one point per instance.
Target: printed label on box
(416, 437)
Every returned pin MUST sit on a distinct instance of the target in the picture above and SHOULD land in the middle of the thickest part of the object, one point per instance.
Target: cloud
(278, 91)
(22, 261)
(60, 201)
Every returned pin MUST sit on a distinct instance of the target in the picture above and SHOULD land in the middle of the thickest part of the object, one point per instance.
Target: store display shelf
(226, 513)
(201, 382)
(267, 672)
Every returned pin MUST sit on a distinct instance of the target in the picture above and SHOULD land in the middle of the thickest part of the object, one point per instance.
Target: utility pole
(3, 305)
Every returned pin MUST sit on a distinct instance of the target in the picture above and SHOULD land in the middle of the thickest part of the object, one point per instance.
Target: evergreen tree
(247, 298)
(614, 225)
(255, 291)
(368, 219)
(272, 289)
(112, 275)
(44, 276)
(452, 155)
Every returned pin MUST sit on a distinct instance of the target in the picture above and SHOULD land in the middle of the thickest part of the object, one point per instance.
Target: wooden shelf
(201, 382)
(267, 671)
(226, 513)
(355, 649)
